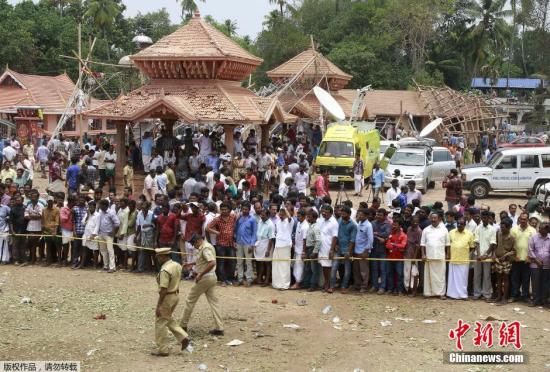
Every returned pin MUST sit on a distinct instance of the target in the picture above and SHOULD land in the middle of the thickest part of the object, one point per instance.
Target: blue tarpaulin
(501, 83)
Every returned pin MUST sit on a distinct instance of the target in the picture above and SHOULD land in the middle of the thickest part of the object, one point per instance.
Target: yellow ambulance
(340, 144)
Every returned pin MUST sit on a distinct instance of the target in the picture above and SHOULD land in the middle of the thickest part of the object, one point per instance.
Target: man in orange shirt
(251, 178)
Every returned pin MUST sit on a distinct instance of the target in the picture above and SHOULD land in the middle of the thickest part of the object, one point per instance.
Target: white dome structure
(125, 61)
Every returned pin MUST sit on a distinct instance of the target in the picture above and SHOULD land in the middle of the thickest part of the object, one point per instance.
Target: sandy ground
(59, 325)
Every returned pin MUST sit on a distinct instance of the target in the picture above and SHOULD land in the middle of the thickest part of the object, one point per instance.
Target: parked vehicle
(339, 146)
(509, 170)
(525, 142)
(421, 163)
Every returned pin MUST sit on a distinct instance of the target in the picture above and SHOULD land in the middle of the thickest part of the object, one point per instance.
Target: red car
(525, 142)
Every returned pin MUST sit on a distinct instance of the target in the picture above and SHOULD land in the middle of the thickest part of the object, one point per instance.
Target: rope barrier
(270, 259)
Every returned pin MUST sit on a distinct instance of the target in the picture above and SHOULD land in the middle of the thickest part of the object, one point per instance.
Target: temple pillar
(264, 140)
(120, 149)
(169, 125)
(229, 141)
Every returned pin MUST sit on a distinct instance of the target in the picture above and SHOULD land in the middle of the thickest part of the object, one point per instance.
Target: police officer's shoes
(216, 332)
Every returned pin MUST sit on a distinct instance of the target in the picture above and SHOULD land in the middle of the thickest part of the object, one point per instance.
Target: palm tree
(230, 27)
(102, 14)
(281, 3)
(489, 29)
(188, 8)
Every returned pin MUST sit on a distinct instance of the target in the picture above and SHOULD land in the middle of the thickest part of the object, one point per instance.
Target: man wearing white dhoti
(462, 241)
(299, 243)
(280, 268)
(434, 244)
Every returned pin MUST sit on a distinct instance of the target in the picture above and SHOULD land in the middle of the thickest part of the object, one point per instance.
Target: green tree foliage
(385, 43)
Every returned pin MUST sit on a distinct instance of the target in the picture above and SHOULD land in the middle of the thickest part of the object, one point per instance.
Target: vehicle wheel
(425, 188)
(479, 189)
(539, 184)
(431, 185)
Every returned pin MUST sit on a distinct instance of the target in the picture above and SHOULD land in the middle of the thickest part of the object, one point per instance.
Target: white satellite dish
(430, 128)
(329, 103)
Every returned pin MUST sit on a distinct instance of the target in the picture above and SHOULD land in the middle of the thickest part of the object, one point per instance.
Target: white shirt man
(280, 270)
(150, 187)
(302, 180)
(157, 161)
(435, 240)
(205, 145)
(188, 186)
(9, 153)
(329, 230)
(283, 175)
(392, 193)
(299, 237)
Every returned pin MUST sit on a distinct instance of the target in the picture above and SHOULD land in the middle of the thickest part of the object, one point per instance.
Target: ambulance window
(529, 161)
(507, 162)
(546, 160)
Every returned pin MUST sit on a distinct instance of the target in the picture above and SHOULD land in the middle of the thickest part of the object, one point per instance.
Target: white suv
(422, 164)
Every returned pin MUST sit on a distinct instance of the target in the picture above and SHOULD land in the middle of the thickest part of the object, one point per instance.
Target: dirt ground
(59, 325)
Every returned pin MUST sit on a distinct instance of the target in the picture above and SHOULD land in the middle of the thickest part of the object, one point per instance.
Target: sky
(249, 14)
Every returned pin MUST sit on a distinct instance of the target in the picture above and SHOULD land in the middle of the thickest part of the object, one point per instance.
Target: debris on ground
(336, 319)
(91, 352)
(390, 309)
(189, 348)
(202, 367)
(429, 321)
(274, 301)
(406, 320)
(492, 318)
(26, 300)
(385, 323)
(327, 309)
(100, 317)
(301, 302)
(291, 326)
(235, 342)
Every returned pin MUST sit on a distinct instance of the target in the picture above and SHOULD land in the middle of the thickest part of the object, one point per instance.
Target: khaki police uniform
(169, 277)
(206, 286)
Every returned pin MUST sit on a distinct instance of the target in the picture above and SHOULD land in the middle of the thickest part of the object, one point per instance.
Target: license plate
(333, 178)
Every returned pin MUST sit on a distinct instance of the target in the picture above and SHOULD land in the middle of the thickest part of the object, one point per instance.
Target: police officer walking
(168, 280)
(205, 283)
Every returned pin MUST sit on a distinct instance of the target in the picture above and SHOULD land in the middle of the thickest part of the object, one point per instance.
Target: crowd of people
(269, 215)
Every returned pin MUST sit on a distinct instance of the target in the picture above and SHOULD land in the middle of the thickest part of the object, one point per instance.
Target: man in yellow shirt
(7, 172)
(462, 242)
(128, 173)
(520, 273)
(171, 177)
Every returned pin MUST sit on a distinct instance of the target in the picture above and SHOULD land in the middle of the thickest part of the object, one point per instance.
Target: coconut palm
(188, 8)
(102, 13)
(230, 27)
(282, 4)
(489, 29)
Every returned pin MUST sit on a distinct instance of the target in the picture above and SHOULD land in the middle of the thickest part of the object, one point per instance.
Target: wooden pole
(120, 138)
(229, 141)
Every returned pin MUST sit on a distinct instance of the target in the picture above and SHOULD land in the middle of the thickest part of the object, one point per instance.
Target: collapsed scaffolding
(463, 115)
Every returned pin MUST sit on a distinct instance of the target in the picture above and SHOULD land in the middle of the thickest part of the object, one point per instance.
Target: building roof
(309, 106)
(504, 83)
(190, 52)
(390, 102)
(317, 65)
(50, 93)
(193, 100)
